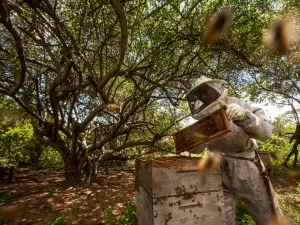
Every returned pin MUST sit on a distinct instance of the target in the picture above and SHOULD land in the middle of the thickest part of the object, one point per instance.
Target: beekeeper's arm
(253, 121)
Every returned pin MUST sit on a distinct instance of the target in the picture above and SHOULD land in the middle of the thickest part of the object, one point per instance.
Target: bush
(279, 145)
(110, 218)
(242, 215)
(128, 216)
(58, 221)
(5, 197)
(51, 159)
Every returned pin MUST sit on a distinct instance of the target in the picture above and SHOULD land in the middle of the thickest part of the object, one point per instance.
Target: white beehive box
(172, 191)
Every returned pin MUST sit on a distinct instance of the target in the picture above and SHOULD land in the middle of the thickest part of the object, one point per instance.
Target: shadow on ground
(37, 197)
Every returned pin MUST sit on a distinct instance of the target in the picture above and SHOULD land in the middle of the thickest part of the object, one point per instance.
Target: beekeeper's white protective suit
(241, 176)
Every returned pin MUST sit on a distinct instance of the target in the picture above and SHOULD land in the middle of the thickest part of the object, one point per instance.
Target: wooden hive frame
(211, 126)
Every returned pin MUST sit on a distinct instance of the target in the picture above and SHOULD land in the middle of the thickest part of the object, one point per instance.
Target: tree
(17, 143)
(66, 64)
(276, 77)
(296, 137)
(294, 151)
(103, 77)
(284, 126)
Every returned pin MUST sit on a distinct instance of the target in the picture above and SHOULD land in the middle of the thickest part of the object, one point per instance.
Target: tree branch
(91, 116)
(119, 10)
(6, 21)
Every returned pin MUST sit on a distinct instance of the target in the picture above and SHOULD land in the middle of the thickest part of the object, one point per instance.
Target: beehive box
(172, 191)
(265, 157)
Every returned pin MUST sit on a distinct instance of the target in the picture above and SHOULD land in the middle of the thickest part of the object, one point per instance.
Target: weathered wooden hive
(172, 191)
(265, 157)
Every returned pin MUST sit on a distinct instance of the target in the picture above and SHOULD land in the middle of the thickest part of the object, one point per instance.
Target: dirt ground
(38, 197)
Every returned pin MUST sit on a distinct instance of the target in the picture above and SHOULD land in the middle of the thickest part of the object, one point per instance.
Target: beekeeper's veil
(198, 110)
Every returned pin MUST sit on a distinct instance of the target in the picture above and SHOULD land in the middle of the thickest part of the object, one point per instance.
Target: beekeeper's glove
(235, 112)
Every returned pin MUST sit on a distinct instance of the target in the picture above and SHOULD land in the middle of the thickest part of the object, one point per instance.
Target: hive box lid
(174, 176)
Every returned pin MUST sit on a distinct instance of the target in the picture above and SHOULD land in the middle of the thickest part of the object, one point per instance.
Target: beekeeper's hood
(196, 106)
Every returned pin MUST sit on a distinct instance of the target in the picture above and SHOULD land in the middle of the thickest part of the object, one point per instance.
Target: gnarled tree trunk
(294, 151)
(72, 173)
(82, 170)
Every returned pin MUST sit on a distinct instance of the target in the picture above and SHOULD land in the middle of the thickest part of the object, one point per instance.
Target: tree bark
(81, 172)
(2, 174)
(11, 174)
(90, 171)
(72, 173)
(294, 151)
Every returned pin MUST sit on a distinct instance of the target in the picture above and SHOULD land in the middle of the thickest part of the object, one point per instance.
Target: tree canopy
(100, 77)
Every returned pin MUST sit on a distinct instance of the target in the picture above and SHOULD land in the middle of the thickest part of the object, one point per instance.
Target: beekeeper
(243, 173)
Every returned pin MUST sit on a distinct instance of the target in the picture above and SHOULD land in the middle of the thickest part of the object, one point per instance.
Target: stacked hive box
(265, 157)
(172, 191)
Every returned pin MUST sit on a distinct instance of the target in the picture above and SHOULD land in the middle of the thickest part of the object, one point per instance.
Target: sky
(272, 111)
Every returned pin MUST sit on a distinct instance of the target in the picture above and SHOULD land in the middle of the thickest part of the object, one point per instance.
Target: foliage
(275, 78)
(13, 141)
(75, 208)
(278, 145)
(291, 209)
(17, 141)
(110, 218)
(18, 144)
(4, 197)
(58, 221)
(74, 74)
(66, 63)
(50, 159)
(128, 216)
(57, 189)
(242, 215)
(284, 125)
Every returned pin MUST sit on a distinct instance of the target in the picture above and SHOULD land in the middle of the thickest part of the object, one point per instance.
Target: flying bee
(155, 182)
(205, 164)
(220, 24)
(112, 107)
(293, 174)
(279, 220)
(200, 137)
(208, 163)
(281, 35)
